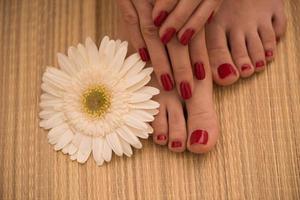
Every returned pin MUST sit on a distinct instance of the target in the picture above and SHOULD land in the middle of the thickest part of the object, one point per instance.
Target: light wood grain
(257, 155)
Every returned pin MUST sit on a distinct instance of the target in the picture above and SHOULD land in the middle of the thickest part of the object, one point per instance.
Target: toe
(239, 53)
(256, 51)
(279, 23)
(223, 69)
(177, 127)
(160, 125)
(268, 39)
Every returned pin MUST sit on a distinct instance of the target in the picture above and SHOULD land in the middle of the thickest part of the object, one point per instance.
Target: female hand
(137, 15)
(187, 17)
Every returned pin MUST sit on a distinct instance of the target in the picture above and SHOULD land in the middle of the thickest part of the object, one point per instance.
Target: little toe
(256, 51)
(160, 125)
(268, 38)
(223, 69)
(279, 23)
(177, 127)
(239, 53)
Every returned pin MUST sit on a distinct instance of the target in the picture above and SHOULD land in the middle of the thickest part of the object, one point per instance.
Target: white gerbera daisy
(97, 102)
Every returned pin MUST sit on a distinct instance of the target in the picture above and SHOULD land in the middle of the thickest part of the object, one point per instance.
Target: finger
(182, 70)
(156, 49)
(161, 10)
(197, 21)
(177, 19)
(131, 20)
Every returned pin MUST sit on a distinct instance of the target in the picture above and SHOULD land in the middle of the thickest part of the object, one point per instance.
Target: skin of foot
(198, 131)
(241, 38)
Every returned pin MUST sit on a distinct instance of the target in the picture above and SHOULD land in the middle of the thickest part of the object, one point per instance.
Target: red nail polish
(168, 35)
(260, 64)
(199, 71)
(176, 144)
(166, 82)
(210, 17)
(269, 53)
(160, 18)
(245, 67)
(144, 54)
(186, 37)
(185, 90)
(161, 137)
(225, 70)
(199, 137)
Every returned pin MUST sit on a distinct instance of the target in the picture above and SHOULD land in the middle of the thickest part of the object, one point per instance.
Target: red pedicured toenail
(246, 67)
(210, 17)
(168, 35)
(199, 71)
(199, 137)
(166, 82)
(160, 18)
(225, 70)
(186, 37)
(176, 144)
(161, 137)
(269, 53)
(260, 64)
(144, 54)
(185, 90)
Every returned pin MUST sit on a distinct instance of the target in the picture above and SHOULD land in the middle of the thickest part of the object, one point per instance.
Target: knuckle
(130, 18)
(179, 18)
(149, 30)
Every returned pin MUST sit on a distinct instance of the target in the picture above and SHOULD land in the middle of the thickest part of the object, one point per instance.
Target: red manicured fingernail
(161, 137)
(185, 90)
(176, 144)
(210, 17)
(199, 137)
(144, 54)
(269, 53)
(160, 18)
(260, 64)
(166, 82)
(245, 67)
(168, 35)
(199, 71)
(225, 70)
(187, 35)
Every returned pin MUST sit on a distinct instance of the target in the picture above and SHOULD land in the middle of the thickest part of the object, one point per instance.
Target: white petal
(103, 45)
(97, 150)
(72, 149)
(114, 142)
(140, 133)
(132, 80)
(54, 121)
(118, 60)
(139, 97)
(92, 52)
(66, 65)
(110, 50)
(83, 52)
(140, 84)
(58, 130)
(149, 90)
(65, 139)
(129, 63)
(46, 96)
(136, 68)
(126, 134)
(153, 111)
(84, 149)
(134, 122)
(58, 73)
(145, 105)
(77, 58)
(46, 114)
(142, 115)
(52, 90)
(51, 104)
(74, 156)
(126, 147)
(106, 151)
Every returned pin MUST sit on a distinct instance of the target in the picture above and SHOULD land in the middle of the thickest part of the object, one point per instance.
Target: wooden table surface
(256, 157)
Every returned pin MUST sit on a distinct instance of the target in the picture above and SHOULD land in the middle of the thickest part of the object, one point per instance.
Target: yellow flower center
(96, 101)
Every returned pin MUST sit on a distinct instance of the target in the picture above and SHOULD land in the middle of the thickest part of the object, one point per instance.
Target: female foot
(199, 132)
(241, 37)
